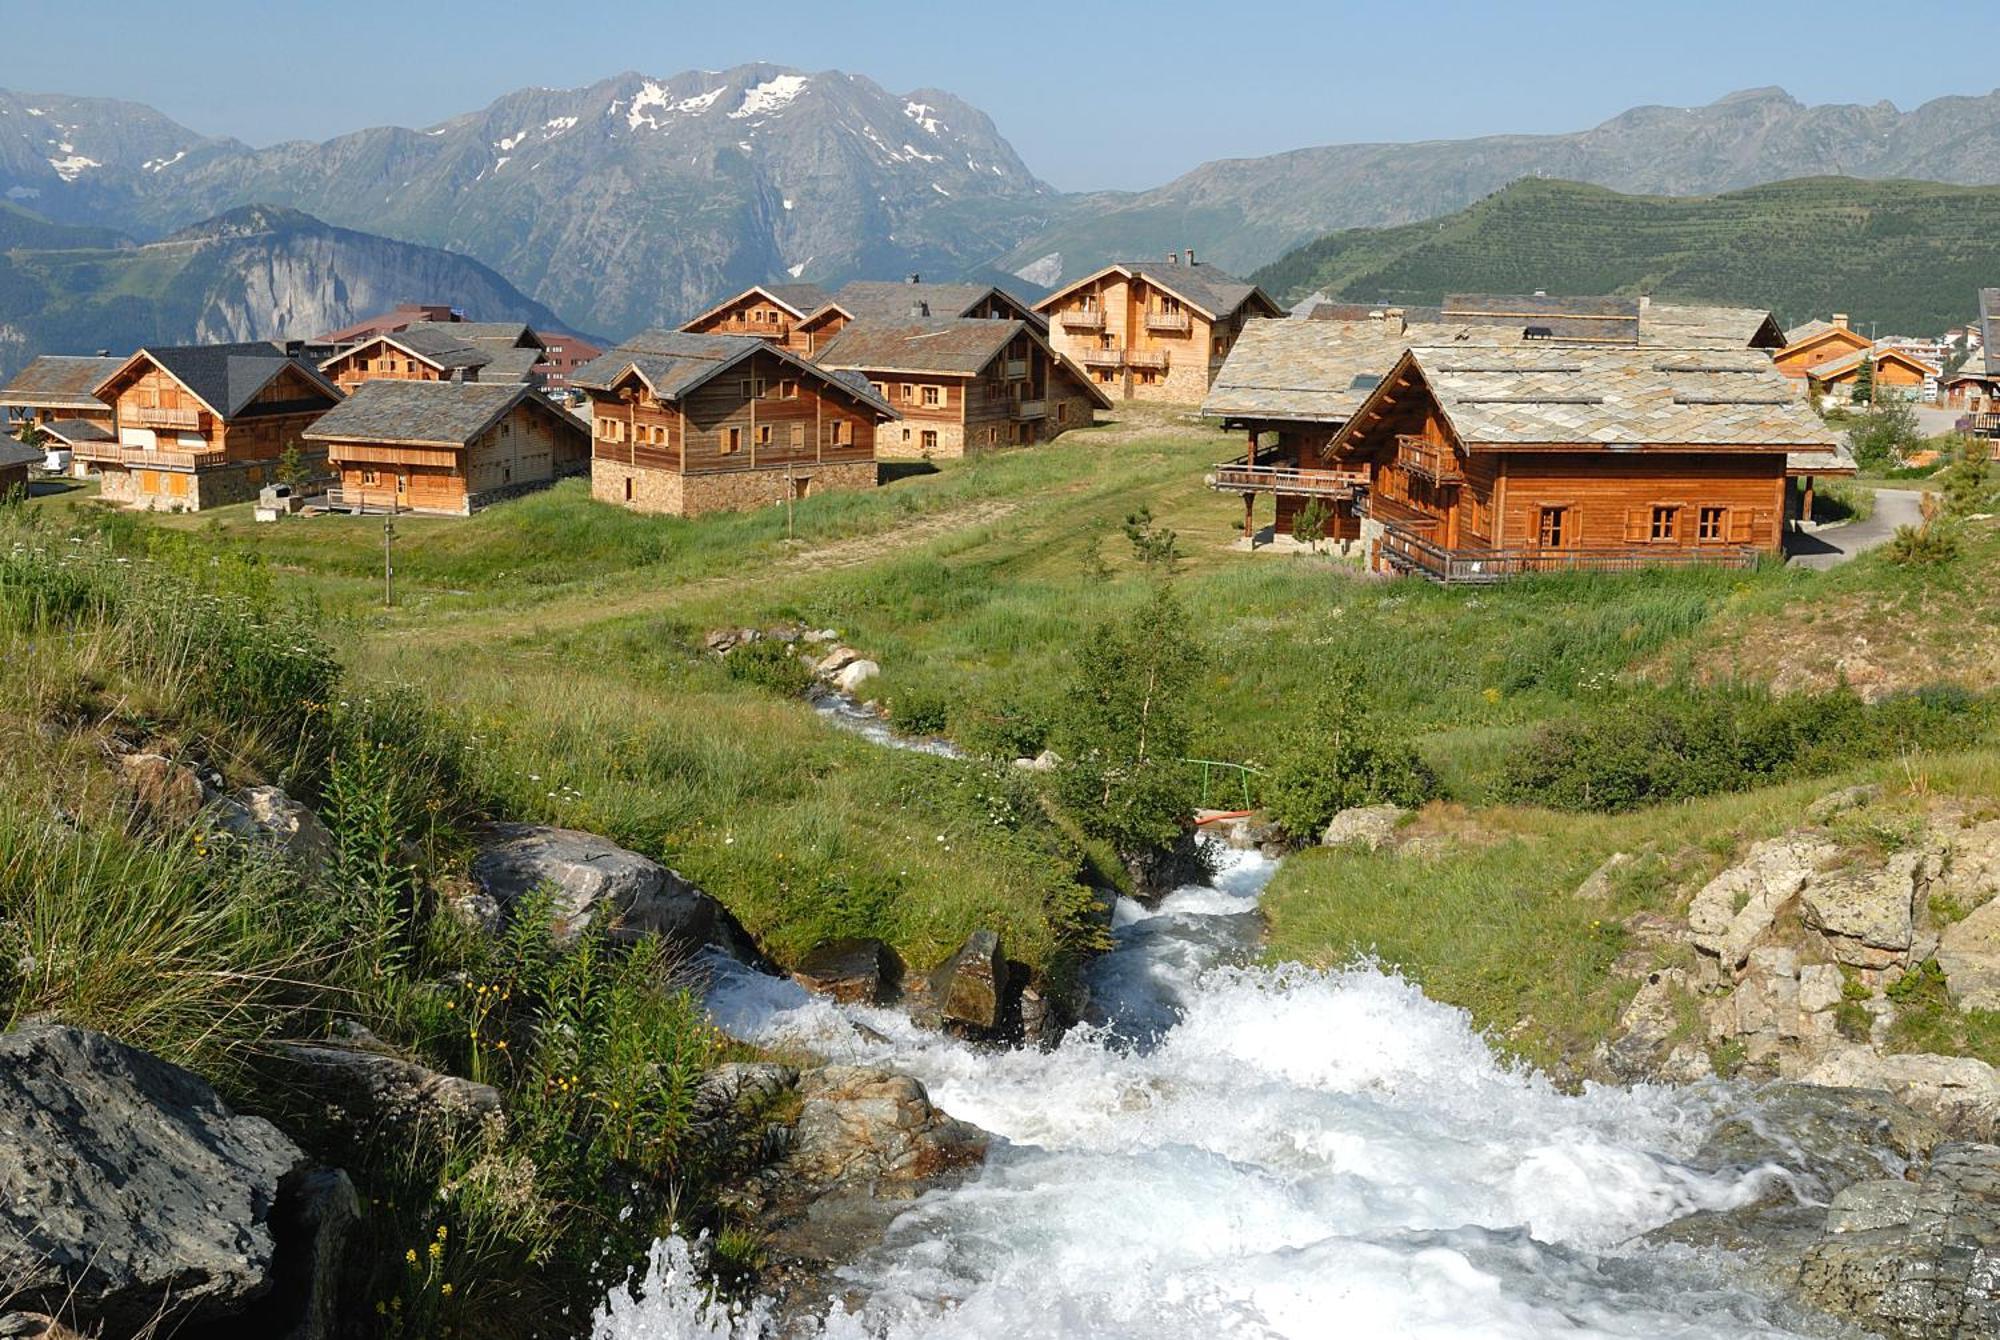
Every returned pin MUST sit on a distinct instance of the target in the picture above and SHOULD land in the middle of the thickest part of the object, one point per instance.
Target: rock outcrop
(168, 792)
(128, 1190)
(861, 1125)
(853, 970)
(368, 1081)
(969, 990)
(1368, 827)
(265, 816)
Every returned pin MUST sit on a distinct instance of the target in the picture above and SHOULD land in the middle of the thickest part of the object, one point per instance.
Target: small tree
(31, 435)
(1864, 382)
(292, 468)
(1338, 756)
(1155, 546)
(1968, 488)
(1884, 434)
(1125, 728)
(1309, 523)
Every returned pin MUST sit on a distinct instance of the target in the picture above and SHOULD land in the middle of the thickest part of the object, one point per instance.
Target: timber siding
(1153, 332)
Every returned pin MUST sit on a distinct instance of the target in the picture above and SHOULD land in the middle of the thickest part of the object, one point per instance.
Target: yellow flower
(445, 1289)
(411, 1256)
(443, 1232)
(436, 1250)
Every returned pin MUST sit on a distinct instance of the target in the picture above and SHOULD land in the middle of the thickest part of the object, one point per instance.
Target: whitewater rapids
(1240, 1151)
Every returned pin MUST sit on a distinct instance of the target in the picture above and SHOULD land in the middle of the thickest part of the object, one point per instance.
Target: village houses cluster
(1487, 436)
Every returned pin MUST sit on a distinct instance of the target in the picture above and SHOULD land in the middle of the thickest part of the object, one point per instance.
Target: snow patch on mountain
(155, 164)
(74, 166)
(1044, 272)
(769, 96)
(924, 116)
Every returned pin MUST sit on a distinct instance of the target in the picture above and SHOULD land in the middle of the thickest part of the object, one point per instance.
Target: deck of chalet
(688, 424)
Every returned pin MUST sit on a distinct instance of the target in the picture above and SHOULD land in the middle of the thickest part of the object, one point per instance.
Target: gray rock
(1969, 953)
(1847, 799)
(1915, 1260)
(855, 674)
(318, 1211)
(371, 1082)
(859, 1124)
(1867, 914)
(853, 970)
(127, 1188)
(1961, 1092)
(835, 661)
(1645, 1030)
(170, 793)
(595, 879)
(265, 816)
(1597, 885)
(1733, 910)
(1046, 761)
(1369, 827)
(970, 988)
(1971, 874)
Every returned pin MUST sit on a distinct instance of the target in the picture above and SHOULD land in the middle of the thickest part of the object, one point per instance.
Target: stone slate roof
(1211, 291)
(956, 346)
(674, 362)
(1688, 325)
(1560, 318)
(1319, 371)
(517, 333)
(1708, 398)
(59, 381)
(72, 432)
(227, 377)
(14, 453)
(888, 300)
(439, 414)
(802, 299)
(438, 344)
(511, 365)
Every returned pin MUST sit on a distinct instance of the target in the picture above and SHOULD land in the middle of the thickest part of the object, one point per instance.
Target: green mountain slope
(1905, 255)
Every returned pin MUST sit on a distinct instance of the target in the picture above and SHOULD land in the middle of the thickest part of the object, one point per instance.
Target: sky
(1092, 94)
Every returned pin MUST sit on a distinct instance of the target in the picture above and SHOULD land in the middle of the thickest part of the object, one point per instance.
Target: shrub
(771, 664)
(1337, 758)
(1883, 435)
(919, 709)
(1970, 486)
(1928, 545)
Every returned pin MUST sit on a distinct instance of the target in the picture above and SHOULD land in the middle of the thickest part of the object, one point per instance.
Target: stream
(1226, 1149)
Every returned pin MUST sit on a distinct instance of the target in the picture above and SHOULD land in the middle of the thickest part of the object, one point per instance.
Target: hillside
(254, 273)
(1906, 255)
(1244, 212)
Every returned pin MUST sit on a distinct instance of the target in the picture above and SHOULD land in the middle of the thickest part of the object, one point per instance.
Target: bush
(919, 709)
(1884, 435)
(1644, 749)
(771, 664)
(1337, 758)
(1923, 546)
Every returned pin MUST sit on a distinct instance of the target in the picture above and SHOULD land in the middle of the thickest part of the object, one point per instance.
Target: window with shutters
(1554, 529)
(933, 395)
(763, 434)
(930, 440)
(842, 431)
(1666, 525)
(1712, 524)
(788, 389)
(732, 440)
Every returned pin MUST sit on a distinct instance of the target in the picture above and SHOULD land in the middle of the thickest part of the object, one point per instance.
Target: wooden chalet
(1893, 371)
(1560, 319)
(688, 423)
(1975, 387)
(965, 384)
(1155, 331)
(204, 425)
(434, 351)
(446, 448)
(799, 318)
(16, 461)
(1817, 342)
(1485, 463)
(58, 394)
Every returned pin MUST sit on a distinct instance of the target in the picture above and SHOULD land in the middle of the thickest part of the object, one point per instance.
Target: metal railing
(1091, 320)
(1175, 323)
(1431, 460)
(1406, 551)
(1242, 772)
(1238, 478)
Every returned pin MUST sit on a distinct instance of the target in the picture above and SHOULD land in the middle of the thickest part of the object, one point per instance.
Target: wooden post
(1249, 527)
(389, 558)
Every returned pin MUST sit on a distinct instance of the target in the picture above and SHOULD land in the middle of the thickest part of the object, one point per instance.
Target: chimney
(920, 308)
(294, 348)
(1393, 318)
(1840, 320)
(914, 278)
(1645, 302)
(1190, 255)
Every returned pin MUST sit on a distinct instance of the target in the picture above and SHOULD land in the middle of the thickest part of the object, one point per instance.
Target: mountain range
(638, 200)
(255, 273)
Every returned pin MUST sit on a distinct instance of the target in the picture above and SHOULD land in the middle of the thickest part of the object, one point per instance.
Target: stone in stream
(128, 1189)
(854, 970)
(970, 988)
(854, 674)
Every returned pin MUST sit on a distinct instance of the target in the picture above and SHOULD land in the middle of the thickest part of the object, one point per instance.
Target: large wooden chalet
(1478, 464)
(689, 423)
(798, 318)
(1892, 372)
(1159, 331)
(446, 448)
(57, 395)
(435, 351)
(1976, 385)
(1817, 342)
(965, 384)
(204, 425)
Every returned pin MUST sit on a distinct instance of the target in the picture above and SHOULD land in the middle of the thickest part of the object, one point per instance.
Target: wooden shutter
(1638, 525)
(1737, 522)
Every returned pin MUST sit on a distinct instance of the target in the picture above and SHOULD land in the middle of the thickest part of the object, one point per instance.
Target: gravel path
(1830, 548)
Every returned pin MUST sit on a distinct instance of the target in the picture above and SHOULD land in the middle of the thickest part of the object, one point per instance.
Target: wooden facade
(446, 448)
(1819, 342)
(1482, 465)
(57, 393)
(966, 385)
(1894, 372)
(795, 317)
(204, 425)
(688, 423)
(1156, 332)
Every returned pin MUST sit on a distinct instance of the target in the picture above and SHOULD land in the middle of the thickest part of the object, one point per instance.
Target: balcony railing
(143, 417)
(1014, 369)
(769, 330)
(1030, 409)
(1103, 358)
(1235, 477)
(1148, 358)
(1091, 320)
(142, 458)
(1406, 551)
(1170, 323)
(1428, 460)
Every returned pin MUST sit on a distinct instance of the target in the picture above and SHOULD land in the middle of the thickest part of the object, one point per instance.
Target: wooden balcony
(142, 458)
(1102, 358)
(763, 329)
(1023, 410)
(1169, 323)
(1091, 320)
(183, 420)
(1428, 460)
(1156, 359)
(1237, 477)
(1014, 369)
(362, 501)
(1404, 550)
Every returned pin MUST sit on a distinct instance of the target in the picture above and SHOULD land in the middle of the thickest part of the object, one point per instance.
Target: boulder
(970, 988)
(593, 878)
(127, 1188)
(1369, 827)
(1962, 1093)
(1969, 953)
(1639, 1049)
(1598, 885)
(1046, 761)
(1915, 1260)
(318, 1211)
(265, 816)
(1836, 803)
(853, 970)
(855, 674)
(865, 1125)
(169, 793)
(1867, 914)
(722, 641)
(369, 1081)
(1970, 877)
(835, 661)
(1733, 910)
(1158, 871)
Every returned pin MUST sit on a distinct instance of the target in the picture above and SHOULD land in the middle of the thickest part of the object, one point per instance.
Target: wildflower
(445, 1288)
(411, 1256)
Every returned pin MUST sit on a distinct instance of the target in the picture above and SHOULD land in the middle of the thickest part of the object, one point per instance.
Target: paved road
(1830, 548)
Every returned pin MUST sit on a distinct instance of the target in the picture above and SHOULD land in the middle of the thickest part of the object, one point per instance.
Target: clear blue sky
(1090, 94)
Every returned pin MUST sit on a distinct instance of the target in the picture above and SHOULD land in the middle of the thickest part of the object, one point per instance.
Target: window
(732, 439)
(762, 388)
(1062, 411)
(1221, 346)
(788, 389)
(906, 435)
(1712, 524)
(930, 440)
(1666, 524)
(743, 388)
(933, 395)
(840, 430)
(763, 434)
(880, 388)
(909, 392)
(369, 477)
(628, 488)
(1554, 530)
